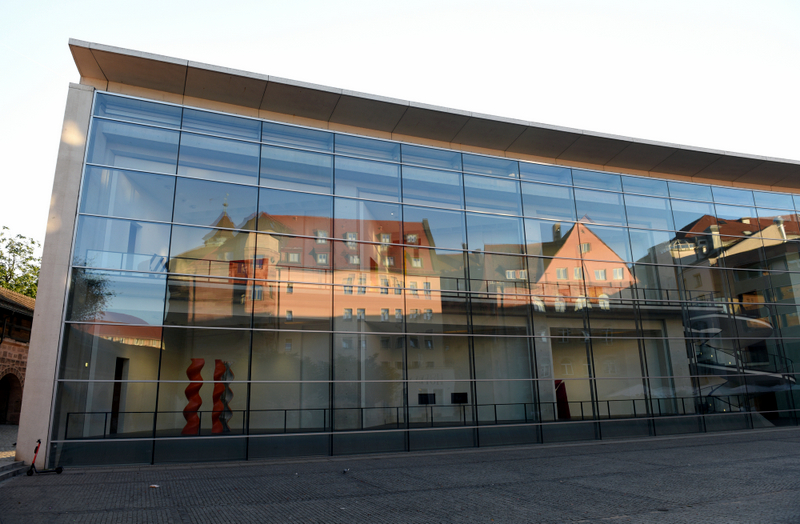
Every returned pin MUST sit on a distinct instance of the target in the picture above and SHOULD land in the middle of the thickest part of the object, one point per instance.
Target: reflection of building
(16, 312)
(380, 276)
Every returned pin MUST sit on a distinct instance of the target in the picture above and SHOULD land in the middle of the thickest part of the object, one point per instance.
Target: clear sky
(713, 74)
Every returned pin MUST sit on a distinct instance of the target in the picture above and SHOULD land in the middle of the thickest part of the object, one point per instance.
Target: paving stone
(746, 477)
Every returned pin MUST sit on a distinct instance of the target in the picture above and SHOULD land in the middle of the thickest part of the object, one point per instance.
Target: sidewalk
(744, 477)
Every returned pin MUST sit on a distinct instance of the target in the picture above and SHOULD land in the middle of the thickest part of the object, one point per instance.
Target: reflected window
(366, 179)
(292, 169)
(127, 194)
(133, 146)
(299, 137)
(135, 110)
(322, 259)
(561, 273)
(600, 274)
(218, 159)
(432, 188)
(215, 204)
(219, 124)
(577, 273)
(426, 156)
(618, 273)
(545, 173)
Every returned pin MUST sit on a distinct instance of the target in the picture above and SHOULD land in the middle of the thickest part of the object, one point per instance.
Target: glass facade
(247, 289)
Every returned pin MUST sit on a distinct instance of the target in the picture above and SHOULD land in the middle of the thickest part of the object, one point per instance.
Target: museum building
(242, 267)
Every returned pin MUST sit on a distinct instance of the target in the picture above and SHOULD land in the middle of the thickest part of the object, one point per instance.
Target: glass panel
(439, 391)
(492, 195)
(184, 346)
(303, 138)
(359, 400)
(425, 156)
(644, 186)
(212, 252)
(356, 220)
(104, 410)
(116, 297)
(127, 194)
(607, 280)
(493, 233)
(770, 199)
(293, 306)
(437, 268)
(657, 282)
(434, 228)
(437, 312)
(507, 360)
(121, 244)
(544, 173)
(603, 243)
(748, 286)
(496, 273)
(653, 213)
(293, 259)
(300, 361)
(729, 195)
(293, 169)
(688, 215)
(366, 179)
(432, 188)
(108, 352)
(292, 213)
(556, 278)
(778, 224)
(600, 206)
(224, 125)
(199, 301)
(368, 148)
(704, 284)
(543, 201)
(596, 180)
(120, 108)
(222, 417)
(369, 264)
(133, 146)
(689, 191)
(549, 238)
(502, 314)
(363, 308)
(653, 247)
(218, 159)
(734, 220)
(485, 165)
(739, 252)
(215, 204)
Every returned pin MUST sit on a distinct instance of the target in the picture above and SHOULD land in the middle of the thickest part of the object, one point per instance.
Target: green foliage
(19, 268)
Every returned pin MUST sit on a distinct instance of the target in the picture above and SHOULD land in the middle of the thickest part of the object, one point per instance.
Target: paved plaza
(744, 477)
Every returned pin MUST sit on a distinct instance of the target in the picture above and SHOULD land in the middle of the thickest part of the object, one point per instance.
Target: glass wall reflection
(318, 292)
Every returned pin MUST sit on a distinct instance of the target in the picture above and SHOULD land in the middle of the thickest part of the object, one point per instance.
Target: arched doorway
(10, 399)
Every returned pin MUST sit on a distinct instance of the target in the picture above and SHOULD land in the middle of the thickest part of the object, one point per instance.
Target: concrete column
(37, 398)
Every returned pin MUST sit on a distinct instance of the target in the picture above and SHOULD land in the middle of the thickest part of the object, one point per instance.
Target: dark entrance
(10, 399)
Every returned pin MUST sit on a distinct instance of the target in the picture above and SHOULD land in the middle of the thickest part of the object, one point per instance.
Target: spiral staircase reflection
(733, 379)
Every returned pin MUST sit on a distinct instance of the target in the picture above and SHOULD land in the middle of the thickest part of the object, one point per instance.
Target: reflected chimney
(781, 229)
(716, 241)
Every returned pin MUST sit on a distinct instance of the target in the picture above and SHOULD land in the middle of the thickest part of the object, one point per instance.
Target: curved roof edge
(411, 119)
